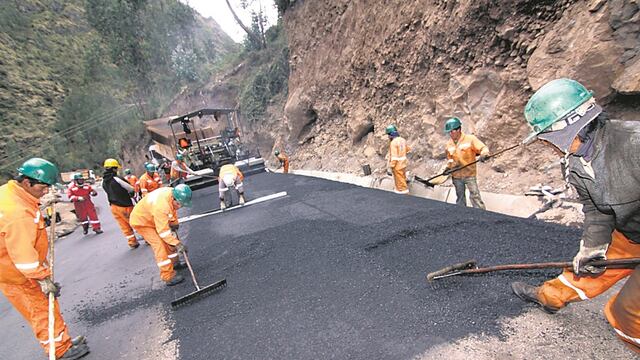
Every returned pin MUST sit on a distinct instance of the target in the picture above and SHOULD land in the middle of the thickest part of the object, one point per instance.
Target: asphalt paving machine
(207, 139)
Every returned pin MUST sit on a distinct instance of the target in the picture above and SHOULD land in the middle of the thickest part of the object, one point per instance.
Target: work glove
(586, 254)
(483, 158)
(47, 286)
(389, 172)
(80, 198)
(174, 227)
(50, 200)
(93, 193)
(181, 248)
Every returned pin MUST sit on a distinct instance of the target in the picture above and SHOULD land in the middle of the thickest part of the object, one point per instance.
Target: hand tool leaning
(200, 291)
(470, 267)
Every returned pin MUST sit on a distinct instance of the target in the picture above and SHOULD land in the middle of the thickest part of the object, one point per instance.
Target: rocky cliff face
(356, 67)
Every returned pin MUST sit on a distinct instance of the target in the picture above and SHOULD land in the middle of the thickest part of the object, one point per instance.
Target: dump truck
(207, 139)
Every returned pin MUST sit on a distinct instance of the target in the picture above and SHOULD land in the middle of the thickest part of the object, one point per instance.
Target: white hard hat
(228, 180)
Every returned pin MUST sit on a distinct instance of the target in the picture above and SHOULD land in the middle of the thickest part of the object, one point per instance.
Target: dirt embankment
(356, 68)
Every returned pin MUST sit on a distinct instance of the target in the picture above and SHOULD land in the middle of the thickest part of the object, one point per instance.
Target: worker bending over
(602, 158)
(150, 180)
(25, 278)
(80, 194)
(119, 193)
(284, 161)
(397, 164)
(179, 170)
(155, 218)
(462, 150)
(230, 176)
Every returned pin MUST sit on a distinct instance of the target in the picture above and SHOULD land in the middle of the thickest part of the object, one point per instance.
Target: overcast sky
(218, 10)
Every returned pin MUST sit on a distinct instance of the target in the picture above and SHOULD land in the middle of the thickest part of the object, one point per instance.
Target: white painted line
(252, 202)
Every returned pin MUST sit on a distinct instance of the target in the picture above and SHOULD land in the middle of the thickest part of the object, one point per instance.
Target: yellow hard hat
(111, 163)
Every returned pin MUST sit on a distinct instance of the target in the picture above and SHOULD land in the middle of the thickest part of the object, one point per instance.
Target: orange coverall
(398, 150)
(463, 153)
(23, 252)
(152, 218)
(148, 183)
(284, 161)
(238, 177)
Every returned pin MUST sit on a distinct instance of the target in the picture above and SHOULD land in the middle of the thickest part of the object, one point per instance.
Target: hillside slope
(356, 68)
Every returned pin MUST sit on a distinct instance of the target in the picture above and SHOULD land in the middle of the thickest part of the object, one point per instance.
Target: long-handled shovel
(200, 291)
(470, 267)
(52, 299)
(427, 182)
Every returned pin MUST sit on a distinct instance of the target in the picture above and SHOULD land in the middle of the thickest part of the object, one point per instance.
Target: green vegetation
(78, 76)
(268, 75)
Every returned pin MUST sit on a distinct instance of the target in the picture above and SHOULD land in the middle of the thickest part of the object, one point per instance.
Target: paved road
(332, 271)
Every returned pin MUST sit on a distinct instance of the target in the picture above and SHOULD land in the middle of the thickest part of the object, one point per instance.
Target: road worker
(462, 150)
(25, 278)
(179, 170)
(397, 164)
(284, 161)
(150, 180)
(80, 194)
(133, 181)
(601, 162)
(230, 176)
(155, 218)
(119, 193)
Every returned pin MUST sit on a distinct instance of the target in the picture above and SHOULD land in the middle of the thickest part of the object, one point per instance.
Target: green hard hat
(127, 171)
(77, 176)
(182, 194)
(179, 156)
(150, 168)
(552, 102)
(452, 124)
(276, 153)
(40, 169)
(390, 128)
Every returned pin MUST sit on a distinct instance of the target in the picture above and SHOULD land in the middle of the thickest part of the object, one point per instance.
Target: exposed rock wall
(358, 66)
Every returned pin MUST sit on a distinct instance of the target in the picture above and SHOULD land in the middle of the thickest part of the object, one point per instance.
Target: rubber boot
(80, 339)
(222, 205)
(98, 231)
(179, 266)
(85, 229)
(135, 246)
(241, 199)
(529, 293)
(75, 352)
(176, 280)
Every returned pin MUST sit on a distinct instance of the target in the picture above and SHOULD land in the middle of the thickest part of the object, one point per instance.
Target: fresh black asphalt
(332, 271)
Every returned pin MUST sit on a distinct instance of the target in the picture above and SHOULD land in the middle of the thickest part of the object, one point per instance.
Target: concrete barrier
(515, 205)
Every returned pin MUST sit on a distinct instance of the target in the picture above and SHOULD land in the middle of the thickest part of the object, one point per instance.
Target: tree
(255, 37)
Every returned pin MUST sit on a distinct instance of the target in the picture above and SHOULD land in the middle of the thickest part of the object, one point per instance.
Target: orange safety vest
(464, 152)
(133, 181)
(23, 237)
(398, 150)
(156, 210)
(230, 169)
(149, 183)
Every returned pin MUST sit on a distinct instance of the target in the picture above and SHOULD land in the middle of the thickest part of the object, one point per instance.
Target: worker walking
(284, 161)
(179, 170)
(24, 272)
(602, 158)
(150, 180)
(155, 218)
(397, 164)
(80, 194)
(133, 181)
(119, 193)
(462, 150)
(230, 176)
